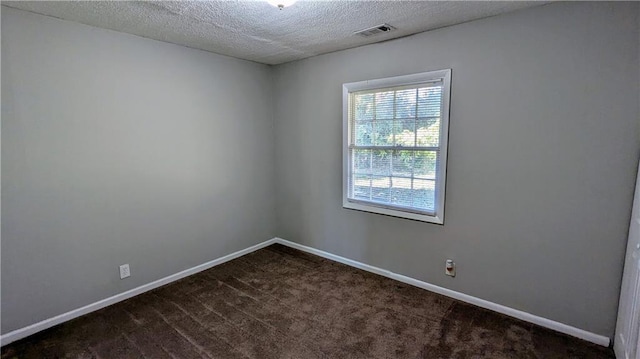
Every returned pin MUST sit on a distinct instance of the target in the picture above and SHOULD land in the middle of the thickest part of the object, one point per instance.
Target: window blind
(394, 146)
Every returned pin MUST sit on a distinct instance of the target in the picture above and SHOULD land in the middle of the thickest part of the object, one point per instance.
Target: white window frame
(441, 171)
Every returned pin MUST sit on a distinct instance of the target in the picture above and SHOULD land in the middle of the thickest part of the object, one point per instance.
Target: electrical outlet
(450, 268)
(124, 271)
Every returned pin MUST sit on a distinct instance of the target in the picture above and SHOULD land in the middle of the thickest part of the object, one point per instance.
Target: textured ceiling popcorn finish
(257, 31)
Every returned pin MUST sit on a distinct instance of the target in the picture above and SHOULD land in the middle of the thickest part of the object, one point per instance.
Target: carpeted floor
(282, 303)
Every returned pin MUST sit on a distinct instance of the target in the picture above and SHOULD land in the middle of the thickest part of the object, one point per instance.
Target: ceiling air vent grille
(379, 29)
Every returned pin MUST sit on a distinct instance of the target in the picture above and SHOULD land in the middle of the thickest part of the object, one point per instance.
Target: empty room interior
(320, 179)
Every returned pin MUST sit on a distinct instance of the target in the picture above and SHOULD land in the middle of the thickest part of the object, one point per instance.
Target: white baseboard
(547, 323)
(527, 317)
(48, 323)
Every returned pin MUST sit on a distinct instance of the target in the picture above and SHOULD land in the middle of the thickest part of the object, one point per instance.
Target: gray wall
(118, 149)
(542, 158)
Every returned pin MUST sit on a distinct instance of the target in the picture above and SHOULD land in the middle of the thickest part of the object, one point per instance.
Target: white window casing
(395, 133)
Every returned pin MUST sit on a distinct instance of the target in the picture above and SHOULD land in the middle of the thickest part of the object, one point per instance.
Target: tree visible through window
(396, 144)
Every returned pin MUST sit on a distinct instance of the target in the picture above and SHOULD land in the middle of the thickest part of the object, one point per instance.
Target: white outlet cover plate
(452, 272)
(124, 271)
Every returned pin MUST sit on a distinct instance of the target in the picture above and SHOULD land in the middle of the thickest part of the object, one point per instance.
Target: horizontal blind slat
(394, 148)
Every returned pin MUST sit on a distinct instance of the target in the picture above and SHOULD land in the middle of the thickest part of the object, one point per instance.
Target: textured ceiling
(257, 31)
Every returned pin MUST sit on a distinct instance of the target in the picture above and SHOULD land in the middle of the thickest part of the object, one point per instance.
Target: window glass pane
(361, 187)
(428, 132)
(383, 133)
(401, 191)
(363, 134)
(402, 163)
(381, 162)
(406, 104)
(362, 161)
(384, 105)
(425, 164)
(380, 189)
(424, 194)
(363, 107)
(404, 134)
(429, 101)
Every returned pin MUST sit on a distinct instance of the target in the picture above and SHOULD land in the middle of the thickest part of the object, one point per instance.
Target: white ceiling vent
(375, 30)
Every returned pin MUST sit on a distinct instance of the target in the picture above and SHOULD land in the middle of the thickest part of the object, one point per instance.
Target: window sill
(393, 212)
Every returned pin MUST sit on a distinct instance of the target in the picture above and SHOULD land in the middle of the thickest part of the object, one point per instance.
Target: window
(395, 145)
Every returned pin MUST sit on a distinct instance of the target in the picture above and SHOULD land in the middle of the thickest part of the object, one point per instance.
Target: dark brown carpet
(282, 303)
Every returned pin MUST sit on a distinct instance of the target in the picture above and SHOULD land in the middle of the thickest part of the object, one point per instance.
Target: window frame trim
(441, 174)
